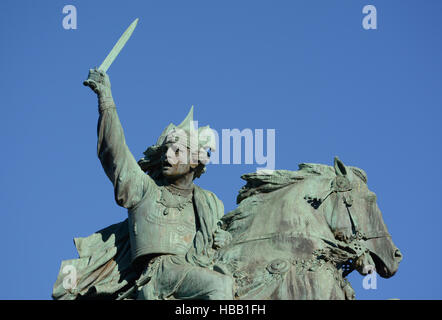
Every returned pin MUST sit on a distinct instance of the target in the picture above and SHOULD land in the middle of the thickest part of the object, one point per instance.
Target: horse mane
(266, 181)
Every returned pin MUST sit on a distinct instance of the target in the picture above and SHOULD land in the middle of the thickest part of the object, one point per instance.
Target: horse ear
(340, 168)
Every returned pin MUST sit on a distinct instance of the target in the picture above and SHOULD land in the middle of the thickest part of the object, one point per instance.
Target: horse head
(354, 217)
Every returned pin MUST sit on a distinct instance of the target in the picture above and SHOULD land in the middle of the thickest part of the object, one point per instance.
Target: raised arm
(130, 182)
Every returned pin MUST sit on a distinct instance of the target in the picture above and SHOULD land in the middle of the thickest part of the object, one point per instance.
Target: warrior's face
(176, 161)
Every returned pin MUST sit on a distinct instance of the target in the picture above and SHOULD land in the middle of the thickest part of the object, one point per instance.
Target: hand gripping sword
(117, 48)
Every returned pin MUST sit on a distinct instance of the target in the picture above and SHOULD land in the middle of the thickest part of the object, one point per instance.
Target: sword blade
(118, 46)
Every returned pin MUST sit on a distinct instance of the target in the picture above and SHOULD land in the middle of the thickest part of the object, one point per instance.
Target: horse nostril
(398, 254)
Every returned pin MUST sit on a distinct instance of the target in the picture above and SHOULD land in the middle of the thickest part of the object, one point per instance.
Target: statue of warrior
(173, 224)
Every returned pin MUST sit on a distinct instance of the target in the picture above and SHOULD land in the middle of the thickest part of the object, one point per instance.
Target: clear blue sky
(304, 68)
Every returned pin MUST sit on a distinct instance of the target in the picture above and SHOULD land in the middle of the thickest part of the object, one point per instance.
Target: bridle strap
(353, 220)
(376, 235)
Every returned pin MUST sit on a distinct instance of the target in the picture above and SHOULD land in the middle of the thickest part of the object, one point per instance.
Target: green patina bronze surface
(298, 234)
(294, 234)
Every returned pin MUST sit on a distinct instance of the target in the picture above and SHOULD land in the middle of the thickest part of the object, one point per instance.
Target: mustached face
(177, 161)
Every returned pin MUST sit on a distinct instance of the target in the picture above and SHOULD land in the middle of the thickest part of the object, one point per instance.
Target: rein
(287, 234)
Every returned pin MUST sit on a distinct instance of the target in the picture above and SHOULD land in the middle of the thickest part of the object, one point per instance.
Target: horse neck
(286, 211)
